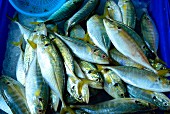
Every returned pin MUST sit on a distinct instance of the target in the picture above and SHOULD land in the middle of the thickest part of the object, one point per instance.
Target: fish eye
(154, 97)
(98, 79)
(47, 44)
(137, 102)
(7, 83)
(39, 110)
(116, 84)
(90, 71)
(80, 97)
(143, 46)
(119, 28)
(122, 95)
(108, 6)
(72, 89)
(165, 104)
(103, 56)
(40, 99)
(95, 50)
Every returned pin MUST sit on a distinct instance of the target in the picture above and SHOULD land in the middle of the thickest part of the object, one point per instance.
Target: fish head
(4, 80)
(76, 2)
(145, 20)
(161, 100)
(41, 29)
(99, 56)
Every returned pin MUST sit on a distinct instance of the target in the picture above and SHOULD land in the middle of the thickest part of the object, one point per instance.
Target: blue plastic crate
(158, 9)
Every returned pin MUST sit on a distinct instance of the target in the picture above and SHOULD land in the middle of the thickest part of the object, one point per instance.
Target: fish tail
(15, 19)
(67, 109)
(163, 72)
(32, 44)
(19, 44)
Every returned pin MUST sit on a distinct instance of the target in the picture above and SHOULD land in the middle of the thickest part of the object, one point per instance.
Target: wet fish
(118, 106)
(4, 106)
(85, 51)
(156, 98)
(90, 73)
(82, 14)
(97, 33)
(142, 78)
(77, 32)
(124, 43)
(65, 11)
(37, 91)
(54, 100)
(13, 93)
(123, 60)
(112, 11)
(113, 85)
(128, 12)
(150, 32)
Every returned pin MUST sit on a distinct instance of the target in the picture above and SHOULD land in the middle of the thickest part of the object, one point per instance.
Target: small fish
(90, 72)
(156, 98)
(124, 43)
(14, 95)
(97, 33)
(54, 100)
(65, 11)
(37, 91)
(85, 51)
(112, 11)
(150, 33)
(113, 85)
(77, 32)
(118, 106)
(81, 15)
(123, 60)
(4, 106)
(142, 78)
(128, 12)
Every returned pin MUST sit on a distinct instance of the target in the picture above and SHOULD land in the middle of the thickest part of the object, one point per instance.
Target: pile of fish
(95, 57)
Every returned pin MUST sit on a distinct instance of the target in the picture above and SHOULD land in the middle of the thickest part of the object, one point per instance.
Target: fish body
(37, 91)
(97, 33)
(128, 12)
(66, 10)
(14, 95)
(149, 32)
(77, 32)
(156, 98)
(54, 100)
(118, 106)
(112, 11)
(85, 51)
(113, 85)
(82, 14)
(142, 78)
(124, 43)
(123, 60)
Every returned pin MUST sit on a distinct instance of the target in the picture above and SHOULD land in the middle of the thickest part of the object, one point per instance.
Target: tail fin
(67, 109)
(15, 19)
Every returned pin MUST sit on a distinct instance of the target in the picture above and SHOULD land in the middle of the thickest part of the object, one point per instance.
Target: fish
(141, 78)
(14, 95)
(113, 85)
(97, 33)
(128, 12)
(20, 71)
(123, 60)
(140, 42)
(37, 90)
(118, 106)
(124, 43)
(77, 32)
(85, 51)
(158, 99)
(81, 15)
(112, 11)
(149, 33)
(90, 73)
(54, 100)
(65, 11)
(4, 106)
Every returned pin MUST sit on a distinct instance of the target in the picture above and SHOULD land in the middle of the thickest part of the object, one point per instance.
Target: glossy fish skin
(77, 32)
(13, 93)
(97, 33)
(128, 47)
(64, 50)
(142, 78)
(85, 51)
(113, 85)
(123, 60)
(128, 12)
(112, 11)
(149, 32)
(156, 98)
(118, 106)
(4, 106)
(20, 71)
(90, 72)
(82, 14)
(66, 10)
(135, 37)
(51, 65)
(37, 91)
(54, 100)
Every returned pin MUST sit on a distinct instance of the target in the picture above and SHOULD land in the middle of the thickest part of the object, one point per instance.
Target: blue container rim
(37, 14)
